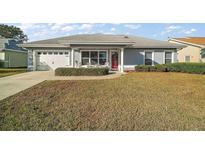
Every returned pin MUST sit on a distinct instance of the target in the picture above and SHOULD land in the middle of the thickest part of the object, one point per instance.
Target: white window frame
(172, 55)
(90, 56)
(152, 51)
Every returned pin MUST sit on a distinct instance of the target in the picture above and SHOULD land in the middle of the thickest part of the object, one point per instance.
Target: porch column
(34, 60)
(72, 58)
(122, 60)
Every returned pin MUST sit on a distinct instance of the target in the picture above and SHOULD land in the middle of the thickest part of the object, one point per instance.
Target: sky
(159, 31)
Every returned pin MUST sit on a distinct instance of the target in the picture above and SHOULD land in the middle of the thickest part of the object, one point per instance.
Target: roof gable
(193, 40)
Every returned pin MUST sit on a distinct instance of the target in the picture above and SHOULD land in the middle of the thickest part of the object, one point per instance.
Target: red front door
(115, 61)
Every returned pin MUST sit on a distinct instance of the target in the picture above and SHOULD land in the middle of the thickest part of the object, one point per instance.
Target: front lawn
(11, 71)
(136, 101)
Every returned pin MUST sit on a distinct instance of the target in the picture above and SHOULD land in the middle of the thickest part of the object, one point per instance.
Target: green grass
(136, 101)
(11, 71)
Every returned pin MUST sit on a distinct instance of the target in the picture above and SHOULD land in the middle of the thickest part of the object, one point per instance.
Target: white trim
(122, 60)
(172, 57)
(34, 60)
(72, 57)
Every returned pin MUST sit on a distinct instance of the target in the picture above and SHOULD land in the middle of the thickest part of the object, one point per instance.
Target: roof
(127, 40)
(200, 41)
(11, 45)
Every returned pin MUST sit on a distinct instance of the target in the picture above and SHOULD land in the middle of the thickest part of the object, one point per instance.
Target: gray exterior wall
(133, 57)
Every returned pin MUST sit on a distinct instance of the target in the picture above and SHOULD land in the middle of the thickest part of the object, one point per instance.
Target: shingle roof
(194, 40)
(10, 44)
(134, 41)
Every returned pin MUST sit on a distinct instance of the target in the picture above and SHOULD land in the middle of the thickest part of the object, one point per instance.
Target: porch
(89, 58)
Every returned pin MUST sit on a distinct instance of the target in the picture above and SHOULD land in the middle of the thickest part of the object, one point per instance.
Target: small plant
(81, 71)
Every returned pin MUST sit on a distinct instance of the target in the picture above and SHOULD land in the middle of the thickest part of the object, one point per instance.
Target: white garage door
(52, 60)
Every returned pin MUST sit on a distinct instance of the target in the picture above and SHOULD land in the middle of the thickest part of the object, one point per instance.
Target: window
(168, 57)
(94, 57)
(85, 58)
(66, 53)
(102, 57)
(187, 58)
(55, 53)
(39, 53)
(50, 53)
(148, 58)
(60, 53)
(44, 53)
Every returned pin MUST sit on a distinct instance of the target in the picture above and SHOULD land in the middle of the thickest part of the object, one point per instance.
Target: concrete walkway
(13, 84)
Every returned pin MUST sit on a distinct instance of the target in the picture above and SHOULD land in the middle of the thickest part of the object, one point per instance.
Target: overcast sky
(39, 31)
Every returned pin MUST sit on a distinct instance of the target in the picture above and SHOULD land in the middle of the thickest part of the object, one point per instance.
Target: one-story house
(11, 55)
(118, 52)
(193, 50)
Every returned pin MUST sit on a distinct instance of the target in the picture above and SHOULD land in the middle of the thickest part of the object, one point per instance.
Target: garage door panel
(51, 61)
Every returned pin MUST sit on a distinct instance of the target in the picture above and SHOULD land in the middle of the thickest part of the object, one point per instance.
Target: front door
(115, 60)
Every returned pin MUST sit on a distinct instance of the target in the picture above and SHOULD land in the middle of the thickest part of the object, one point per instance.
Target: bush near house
(195, 68)
(81, 71)
(146, 68)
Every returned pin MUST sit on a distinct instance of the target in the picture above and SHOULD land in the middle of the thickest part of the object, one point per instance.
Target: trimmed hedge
(81, 71)
(146, 68)
(195, 68)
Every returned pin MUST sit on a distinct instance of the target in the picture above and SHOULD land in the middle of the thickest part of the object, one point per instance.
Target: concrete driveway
(13, 84)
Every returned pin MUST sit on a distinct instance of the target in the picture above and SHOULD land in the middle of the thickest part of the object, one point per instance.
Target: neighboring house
(11, 55)
(193, 51)
(118, 52)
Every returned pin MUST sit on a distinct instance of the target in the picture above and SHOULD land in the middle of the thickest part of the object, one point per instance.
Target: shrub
(196, 68)
(148, 68)
(161, 68)
(81, 71)
(142, 68)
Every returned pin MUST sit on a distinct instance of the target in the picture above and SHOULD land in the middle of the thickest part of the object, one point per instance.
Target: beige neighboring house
(193, 51)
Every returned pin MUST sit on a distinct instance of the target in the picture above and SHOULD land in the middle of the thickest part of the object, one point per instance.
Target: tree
(13, 32)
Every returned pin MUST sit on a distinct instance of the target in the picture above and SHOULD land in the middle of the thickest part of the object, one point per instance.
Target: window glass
(50, 53)
(39, 53)
(85, 58)
(60, 53)
(168, 57)
(187, 58)
(94, 58)
(66, 53)
(85, 54)
(85, 61)
(94, 54)
(148, 58)
(148, 55)
(102, 57)
(55, 53)
(44, 53)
